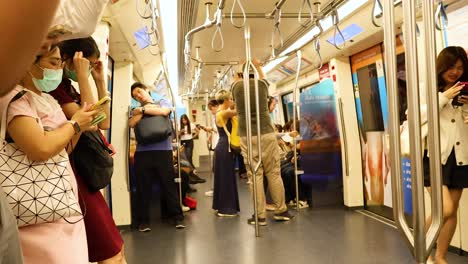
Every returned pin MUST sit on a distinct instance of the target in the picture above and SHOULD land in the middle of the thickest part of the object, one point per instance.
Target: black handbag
(93, 161)
(153, 129)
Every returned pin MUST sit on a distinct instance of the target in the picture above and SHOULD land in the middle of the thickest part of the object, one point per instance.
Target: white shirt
(79, 16)
(453, 131)
(187, 135)
(214, 134)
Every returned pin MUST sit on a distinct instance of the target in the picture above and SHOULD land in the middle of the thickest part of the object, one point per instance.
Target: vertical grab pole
(433, 124)
(248, 63)
(176, 127)
(208, 144)
(394, 121)
(296, 109)
(414, 118)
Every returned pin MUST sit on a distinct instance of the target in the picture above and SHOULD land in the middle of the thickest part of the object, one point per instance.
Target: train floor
(315, 235)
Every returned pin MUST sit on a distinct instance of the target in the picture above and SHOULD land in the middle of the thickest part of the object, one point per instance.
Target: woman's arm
(225, 115)
(38, 145)
(99, 80)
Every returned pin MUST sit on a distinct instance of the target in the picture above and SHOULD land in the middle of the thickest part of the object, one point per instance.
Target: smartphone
(98, 119)
(58, 31)
(463, 91)
(103, 101)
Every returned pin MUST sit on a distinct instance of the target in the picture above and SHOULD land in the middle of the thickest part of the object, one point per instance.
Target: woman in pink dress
(57, 242)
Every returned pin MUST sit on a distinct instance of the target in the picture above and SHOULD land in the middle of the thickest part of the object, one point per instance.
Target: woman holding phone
(452, 68)
(187, 132)
(81, 57)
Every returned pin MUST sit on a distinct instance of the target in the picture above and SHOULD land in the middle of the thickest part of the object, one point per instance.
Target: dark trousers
(150, 165)
(242, 168)
(188, 147)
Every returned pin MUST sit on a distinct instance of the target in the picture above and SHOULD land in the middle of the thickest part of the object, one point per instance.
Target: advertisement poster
(320, 145)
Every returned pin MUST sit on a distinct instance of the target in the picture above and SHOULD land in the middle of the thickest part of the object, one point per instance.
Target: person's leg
(259, 176)
(271, 165)
(169, 192)
(451, 199)
(143, 173)
(189, 151)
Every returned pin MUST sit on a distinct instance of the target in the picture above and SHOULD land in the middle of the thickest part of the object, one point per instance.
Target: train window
(287, 103)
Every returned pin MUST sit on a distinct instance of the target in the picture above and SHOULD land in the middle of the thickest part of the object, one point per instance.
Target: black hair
(86, 45)
(184, 116)
(212, 103)
(447, 58)
(137, 85)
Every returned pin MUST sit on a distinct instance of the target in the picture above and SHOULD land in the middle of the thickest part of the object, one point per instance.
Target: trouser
(242, 168)
(270, 167)
(10, 249)
(148, 166)
(188, 147)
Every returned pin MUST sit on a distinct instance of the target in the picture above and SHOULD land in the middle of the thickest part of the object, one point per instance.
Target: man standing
(270, 166)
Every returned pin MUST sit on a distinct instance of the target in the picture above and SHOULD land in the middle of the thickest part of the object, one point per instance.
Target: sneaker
(179, 224)
(302, 204)
(225, 215)
(261, 221)
(209, 193)
(270, 207)
(195, 179)
(185, 208)
(284, 216)
(144, 228)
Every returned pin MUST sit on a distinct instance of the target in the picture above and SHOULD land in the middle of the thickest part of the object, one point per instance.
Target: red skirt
(104, 239)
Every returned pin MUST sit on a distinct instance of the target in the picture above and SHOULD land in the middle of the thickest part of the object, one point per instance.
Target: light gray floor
(325, 236)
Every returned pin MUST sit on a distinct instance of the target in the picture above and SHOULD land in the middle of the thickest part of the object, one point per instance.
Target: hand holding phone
(98, 119)
(103, 101)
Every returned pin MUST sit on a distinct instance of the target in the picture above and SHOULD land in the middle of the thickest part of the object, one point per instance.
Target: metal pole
(343, 131)
(433, 124)
(295, 110)
(394, 121)
(414, 118)
(248, 120)
(176, 127)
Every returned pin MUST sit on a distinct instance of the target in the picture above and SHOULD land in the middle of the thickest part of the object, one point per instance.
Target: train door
(372, 111)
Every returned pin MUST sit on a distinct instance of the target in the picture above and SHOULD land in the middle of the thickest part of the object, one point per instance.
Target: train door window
(288, 106)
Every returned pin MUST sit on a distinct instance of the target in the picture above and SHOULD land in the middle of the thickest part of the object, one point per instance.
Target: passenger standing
(81, 57)
(188, 131)
(225, 196)
(452, 67)
(270, 166)
(56, 242)
(213, 136)
(154, 160)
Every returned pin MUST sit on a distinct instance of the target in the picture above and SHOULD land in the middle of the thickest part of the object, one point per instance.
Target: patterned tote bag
(37, 191)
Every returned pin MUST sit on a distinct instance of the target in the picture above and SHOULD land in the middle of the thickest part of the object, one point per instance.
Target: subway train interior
(361, 98)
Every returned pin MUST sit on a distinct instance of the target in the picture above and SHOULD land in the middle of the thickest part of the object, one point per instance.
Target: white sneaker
(209, 193)
(185, 208)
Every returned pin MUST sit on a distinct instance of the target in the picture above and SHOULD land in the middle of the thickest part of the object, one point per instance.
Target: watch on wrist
(143, 110)
(75, 125)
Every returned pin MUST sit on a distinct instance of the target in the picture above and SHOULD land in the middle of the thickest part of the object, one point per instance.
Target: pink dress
(58, 242)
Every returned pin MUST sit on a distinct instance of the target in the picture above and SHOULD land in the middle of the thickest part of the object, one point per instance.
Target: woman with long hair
(452, 67)
(81, 58)
(188, 132)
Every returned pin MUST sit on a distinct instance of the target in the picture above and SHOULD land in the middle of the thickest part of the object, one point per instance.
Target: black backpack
(93, 161)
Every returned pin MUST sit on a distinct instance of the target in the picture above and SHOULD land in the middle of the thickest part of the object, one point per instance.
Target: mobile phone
(58, 31)
(463, 91)
(103, 101)
(98, 119)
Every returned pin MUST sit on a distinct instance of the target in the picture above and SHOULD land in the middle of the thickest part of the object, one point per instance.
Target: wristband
(75, 125)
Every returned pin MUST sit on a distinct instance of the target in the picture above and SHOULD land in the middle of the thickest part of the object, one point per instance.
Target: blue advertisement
(407, 194)
(320, 145)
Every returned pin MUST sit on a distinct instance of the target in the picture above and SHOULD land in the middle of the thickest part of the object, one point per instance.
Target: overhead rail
(441, 19)
(254, 167)
(244, 18)
(265, 16)
(419, 242)
(277, 7)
